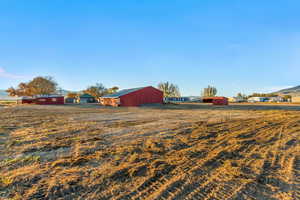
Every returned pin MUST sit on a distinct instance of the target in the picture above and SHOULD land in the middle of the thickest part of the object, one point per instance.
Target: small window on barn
(54, 99)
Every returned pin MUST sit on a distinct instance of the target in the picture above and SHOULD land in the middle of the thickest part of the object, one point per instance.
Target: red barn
(133, 97)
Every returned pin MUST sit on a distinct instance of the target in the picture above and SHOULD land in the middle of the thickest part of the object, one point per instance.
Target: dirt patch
(191, 151)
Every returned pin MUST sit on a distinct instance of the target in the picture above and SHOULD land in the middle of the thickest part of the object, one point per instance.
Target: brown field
(191, 151)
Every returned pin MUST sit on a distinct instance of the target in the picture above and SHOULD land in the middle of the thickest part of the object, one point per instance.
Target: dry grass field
(179, 152)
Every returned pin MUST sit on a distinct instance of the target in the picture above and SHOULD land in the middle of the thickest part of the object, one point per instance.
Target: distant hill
(294, 91)
(64, 92)
(3, 94)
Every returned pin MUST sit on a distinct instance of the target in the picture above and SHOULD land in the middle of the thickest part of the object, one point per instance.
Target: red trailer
(221, 101)
(134, 97)
(216, 100)
(50, 100)
(44, 100)
(26, 100)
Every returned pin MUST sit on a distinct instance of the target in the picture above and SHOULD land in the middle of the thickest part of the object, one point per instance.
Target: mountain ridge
(293, 91)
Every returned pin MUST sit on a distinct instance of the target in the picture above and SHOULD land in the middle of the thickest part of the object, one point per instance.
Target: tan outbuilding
(296, 99)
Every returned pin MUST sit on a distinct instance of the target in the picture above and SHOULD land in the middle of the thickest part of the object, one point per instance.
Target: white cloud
(4, 74)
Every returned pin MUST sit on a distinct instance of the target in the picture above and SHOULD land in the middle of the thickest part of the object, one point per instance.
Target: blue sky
(235, 45)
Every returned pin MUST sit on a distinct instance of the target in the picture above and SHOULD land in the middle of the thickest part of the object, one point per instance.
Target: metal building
(133, 97)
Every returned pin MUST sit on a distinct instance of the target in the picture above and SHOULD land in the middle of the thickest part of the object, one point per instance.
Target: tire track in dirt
(260, 186)
(230, 187)
(217, 161)
(227, 183)
(171, 192)
(257, 188)
(270, 169)
(157, 182)
(175, 185)
(152, 185)
(296, 172)
(167, 184)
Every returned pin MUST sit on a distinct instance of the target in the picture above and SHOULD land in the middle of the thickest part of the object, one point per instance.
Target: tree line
(47, 86)
(172, 90)
(97, 90)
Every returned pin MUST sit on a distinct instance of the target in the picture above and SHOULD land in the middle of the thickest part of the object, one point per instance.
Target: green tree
(169, 89)
(210, 91)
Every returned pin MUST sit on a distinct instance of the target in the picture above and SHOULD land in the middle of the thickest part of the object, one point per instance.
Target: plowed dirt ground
(161, 152)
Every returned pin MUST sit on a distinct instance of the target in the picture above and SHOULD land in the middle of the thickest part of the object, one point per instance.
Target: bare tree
(210, 91)
(169, 89)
